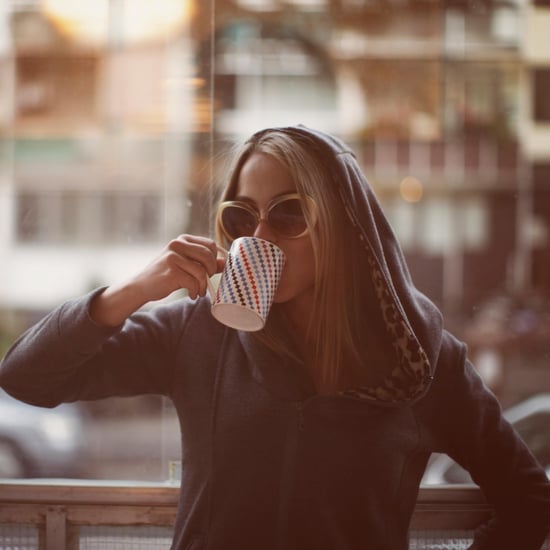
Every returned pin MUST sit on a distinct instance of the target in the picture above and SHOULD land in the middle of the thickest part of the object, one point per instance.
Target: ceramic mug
(248, 283)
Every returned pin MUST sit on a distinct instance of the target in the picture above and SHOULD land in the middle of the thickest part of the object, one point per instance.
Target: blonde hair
(336, 326)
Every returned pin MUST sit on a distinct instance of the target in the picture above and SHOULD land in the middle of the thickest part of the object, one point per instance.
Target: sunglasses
(286, 215)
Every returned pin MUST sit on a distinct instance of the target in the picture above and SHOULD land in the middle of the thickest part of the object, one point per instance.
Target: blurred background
(114, 119)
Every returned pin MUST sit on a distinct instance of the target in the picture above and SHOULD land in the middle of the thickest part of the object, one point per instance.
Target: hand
(186, 262)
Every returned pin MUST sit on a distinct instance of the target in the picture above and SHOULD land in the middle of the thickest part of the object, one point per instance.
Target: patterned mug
(248, 283)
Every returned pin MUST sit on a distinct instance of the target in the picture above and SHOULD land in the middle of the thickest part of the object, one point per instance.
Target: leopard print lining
(411, 376)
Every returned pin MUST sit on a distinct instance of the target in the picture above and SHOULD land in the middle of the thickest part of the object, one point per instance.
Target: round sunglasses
(286, 215)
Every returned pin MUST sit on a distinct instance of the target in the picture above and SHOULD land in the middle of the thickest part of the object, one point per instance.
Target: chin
(289, 293)
(283, 295)
(280, 298)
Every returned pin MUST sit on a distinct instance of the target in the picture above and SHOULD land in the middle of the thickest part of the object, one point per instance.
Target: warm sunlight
(131, 20)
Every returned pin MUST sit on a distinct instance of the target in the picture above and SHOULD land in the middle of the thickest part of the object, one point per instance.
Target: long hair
(344, 305)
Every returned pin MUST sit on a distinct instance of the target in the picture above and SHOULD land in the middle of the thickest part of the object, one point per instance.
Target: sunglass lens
(238, 222)
(287, 218)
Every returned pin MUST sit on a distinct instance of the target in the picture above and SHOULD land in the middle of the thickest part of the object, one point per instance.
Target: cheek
(299, 271)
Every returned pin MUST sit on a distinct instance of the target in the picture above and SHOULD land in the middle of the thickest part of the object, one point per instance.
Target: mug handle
(211, 289)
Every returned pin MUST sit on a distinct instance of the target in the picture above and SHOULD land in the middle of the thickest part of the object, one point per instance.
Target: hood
(413, 321)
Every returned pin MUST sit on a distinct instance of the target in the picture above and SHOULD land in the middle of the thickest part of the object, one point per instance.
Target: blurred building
(96, 161)
(109, 118)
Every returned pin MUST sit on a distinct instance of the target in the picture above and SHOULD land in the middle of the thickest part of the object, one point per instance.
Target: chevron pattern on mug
(248, 283)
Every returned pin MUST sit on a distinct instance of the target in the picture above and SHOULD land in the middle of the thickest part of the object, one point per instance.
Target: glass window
(115, 117)
(105, 130)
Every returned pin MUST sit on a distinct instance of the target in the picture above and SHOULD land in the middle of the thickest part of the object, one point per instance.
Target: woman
(315, 432)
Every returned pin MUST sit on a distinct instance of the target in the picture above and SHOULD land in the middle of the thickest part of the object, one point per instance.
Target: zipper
(288, 474)
(300, 411)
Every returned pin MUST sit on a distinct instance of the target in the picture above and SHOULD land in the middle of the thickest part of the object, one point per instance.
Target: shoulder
(458, 401)
(451, 359)
(183, 318)
(454, 380)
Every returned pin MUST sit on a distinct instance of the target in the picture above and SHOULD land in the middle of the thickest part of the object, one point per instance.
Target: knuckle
(171, 257)
(173, 245)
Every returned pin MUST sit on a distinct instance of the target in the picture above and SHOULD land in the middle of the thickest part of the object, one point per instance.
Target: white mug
(248, 283)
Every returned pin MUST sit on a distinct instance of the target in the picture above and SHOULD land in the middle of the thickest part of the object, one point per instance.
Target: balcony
(469, 164)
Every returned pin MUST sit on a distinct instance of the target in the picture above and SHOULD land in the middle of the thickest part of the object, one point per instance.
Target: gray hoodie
(266, 462)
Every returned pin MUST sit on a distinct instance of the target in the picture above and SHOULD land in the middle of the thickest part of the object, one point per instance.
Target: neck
(298, 314)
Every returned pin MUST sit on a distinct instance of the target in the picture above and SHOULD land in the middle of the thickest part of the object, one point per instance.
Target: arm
(186, 262)
(88, 348)
(465, 421)
(68, 357)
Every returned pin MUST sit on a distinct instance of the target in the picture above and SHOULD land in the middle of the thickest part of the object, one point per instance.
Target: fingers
(192, 259)
(199, 249)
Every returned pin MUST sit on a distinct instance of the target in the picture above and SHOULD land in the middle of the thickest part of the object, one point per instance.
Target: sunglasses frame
(309, 211)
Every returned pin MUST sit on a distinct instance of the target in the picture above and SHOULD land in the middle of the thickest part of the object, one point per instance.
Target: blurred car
(531, 419)
(38, 442)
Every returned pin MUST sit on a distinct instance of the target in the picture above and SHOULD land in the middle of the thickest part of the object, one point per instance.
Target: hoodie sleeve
(68, 357)
(465, 421)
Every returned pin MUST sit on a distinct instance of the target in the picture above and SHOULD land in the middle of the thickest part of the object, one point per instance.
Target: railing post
(56, 528)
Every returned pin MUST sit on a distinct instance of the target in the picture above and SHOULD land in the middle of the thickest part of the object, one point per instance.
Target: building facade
(109, 124)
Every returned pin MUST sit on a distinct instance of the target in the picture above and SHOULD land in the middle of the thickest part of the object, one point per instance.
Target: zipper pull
(300, 411)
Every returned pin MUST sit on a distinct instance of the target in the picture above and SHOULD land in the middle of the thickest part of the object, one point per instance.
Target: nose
(264, 231)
